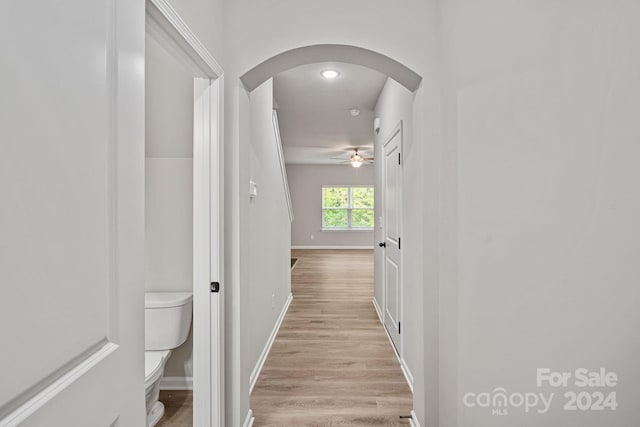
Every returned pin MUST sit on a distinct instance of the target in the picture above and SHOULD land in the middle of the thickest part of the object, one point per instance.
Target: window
(347, 208)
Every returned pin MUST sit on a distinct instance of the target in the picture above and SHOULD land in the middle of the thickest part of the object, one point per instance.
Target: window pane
(334, 218)
(335, 197)
(362, 197)
(362, 218)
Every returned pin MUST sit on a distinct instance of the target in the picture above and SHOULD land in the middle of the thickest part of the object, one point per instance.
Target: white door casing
(165, 26)
(72, 217)
(392, 232)
(208, 364)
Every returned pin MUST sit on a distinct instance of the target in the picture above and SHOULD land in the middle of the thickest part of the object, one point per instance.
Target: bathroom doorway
(183, 200)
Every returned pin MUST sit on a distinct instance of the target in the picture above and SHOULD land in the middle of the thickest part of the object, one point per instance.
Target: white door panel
(392, 231)
(391, 182)
(64, 298)
(392, 276)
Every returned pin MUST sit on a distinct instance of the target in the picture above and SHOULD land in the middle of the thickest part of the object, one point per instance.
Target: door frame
(166, 26)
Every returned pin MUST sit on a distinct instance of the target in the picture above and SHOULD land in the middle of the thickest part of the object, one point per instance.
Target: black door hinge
(215, 287)
(399, 241)
(399, 329)
(398, 158)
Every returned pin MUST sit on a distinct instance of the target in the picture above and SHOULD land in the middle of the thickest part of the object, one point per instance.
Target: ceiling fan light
(356, 160)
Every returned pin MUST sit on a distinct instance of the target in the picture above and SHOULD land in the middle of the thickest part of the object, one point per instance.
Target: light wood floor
(178, 409)
(331, 363)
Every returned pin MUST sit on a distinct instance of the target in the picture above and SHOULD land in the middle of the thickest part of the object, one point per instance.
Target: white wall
(169, 224)
(395, 104)
(168, 103)
(169, 184)
(542, 131)
(305, 184)
(267, 264)
(257, 30)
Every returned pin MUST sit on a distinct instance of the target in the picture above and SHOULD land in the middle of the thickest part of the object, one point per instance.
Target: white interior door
(392, 231)
(71, 222)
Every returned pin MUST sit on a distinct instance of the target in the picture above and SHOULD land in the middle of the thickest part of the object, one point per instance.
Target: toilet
(167, 318)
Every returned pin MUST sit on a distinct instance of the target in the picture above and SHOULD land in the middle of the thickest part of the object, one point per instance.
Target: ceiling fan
(356, 160)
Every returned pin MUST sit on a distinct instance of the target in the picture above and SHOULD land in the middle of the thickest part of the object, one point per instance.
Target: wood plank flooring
(178, 408)
(331, 363)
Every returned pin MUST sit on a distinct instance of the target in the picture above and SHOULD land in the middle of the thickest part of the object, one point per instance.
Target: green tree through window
(347, 207)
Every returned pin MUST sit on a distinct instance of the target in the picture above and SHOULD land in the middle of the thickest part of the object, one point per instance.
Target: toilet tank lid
(166, 299)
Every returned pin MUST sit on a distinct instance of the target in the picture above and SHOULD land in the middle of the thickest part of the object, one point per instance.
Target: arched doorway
(405, 78)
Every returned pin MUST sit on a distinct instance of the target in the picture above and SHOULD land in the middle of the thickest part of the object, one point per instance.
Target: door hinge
(398, 158)
(399, 328)
(399, 241)
(215, 287)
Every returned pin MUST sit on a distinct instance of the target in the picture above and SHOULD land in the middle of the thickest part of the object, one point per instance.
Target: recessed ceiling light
(354, 112)
(330, 74)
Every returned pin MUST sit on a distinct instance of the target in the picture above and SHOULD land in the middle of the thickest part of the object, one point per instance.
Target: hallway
(331, 363)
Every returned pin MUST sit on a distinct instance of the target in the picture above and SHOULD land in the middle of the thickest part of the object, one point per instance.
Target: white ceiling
(313, 113)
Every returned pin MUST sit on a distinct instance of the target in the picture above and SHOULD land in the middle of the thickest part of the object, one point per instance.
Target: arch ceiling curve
(330, 53)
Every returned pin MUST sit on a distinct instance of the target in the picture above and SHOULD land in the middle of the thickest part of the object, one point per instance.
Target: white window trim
(349, 209)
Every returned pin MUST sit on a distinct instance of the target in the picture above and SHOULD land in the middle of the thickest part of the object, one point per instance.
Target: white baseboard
(413, 421)
(377, 307)
(176, 383)
(403, 365)
(330, 247)
(248, 421)
(407, 373)
(265, 351)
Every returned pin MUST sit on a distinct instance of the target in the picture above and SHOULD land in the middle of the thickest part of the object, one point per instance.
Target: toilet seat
(154, 364)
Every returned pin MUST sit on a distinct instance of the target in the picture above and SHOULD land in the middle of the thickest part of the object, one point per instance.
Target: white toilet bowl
(167, 323)
(154, 362)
